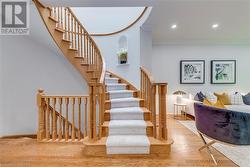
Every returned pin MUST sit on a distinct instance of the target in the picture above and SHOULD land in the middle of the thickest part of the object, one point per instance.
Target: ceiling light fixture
(215, 26)
(174, 26)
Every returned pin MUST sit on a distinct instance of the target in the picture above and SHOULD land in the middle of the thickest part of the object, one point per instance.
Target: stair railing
(62, 118)
(149, 92)
(80, 40)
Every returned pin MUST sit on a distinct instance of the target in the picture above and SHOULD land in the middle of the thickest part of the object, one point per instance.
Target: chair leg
(207, 145)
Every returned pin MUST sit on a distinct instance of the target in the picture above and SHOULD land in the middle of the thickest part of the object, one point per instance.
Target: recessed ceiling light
(215, 26)
(174, 26)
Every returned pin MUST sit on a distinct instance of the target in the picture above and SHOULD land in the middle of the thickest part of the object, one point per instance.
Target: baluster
(75, 33)
(54, 124)
(85, 116)
(68, 25)
(60, 118)
(72, 33)
(67, 118)
(61, 19)
(78, 38)
(63, 135)
(79, 118)
(85, 50)
(73, 133)
(41, 111)
(65, 20)
(48, 119)
(57, 15)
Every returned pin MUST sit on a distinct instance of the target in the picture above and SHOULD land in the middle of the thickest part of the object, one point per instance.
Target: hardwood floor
(27, 152)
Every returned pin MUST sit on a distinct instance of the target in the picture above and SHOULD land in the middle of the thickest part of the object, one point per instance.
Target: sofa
(236, 106)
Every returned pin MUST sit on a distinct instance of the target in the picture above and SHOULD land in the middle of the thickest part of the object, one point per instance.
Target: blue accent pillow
(200, 97)
(246, 99)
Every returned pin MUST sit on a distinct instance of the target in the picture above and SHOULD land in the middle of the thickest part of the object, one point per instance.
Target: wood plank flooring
(26, 152)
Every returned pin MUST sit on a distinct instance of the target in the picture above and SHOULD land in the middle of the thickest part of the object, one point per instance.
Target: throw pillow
(236, 98)
(224, 98)
(219, 104)
(199, 97)
(246, 99)
(207, 102)
(211, 97)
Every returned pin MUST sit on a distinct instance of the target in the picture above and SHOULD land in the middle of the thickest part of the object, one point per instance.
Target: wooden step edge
(107, 103)
(90, 71)
(59, 29)
(84, 64)
(146, 115)
(73, 49)
(53, 19)
(66, 40)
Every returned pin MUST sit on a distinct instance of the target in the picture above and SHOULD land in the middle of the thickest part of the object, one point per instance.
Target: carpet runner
(127, 128)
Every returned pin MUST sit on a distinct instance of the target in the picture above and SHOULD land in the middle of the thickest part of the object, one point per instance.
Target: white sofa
(190, 106)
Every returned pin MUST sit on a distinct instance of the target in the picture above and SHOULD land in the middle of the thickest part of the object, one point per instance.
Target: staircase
(115, 118)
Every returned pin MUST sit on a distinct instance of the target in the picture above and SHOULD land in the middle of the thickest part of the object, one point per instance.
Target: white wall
(27, 66)
(146, 48)
(106, 19)
(1, 90)
(166, 60)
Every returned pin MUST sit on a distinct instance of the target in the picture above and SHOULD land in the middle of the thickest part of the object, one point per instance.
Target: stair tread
(124, 99)
(53, 19)
(120, 91)
(116, 84)
(148, 123)
(59, 29)
(128, 109)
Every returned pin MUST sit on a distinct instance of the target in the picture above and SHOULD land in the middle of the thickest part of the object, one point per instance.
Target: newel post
(162, 90)
(41, 123)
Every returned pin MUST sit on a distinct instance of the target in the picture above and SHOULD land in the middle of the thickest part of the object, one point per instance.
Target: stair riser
(134, 94)
(108, 118)
(149, 131)
(122, 105)
(127, 131)
(120, 87)
(111, 81)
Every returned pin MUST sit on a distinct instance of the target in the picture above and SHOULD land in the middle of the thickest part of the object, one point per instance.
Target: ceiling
(194, 19)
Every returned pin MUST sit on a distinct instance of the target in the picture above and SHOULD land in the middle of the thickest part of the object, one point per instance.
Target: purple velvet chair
(222, 125)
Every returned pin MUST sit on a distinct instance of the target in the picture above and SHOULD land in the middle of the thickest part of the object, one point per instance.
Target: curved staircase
(115, 118)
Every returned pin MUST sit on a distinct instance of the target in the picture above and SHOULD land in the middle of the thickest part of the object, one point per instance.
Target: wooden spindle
(60, 118)
(72, 34)
(75, 24)
(78, 38)
(79, 118)
(48, 119)
(54, 124)
(68, 29)
(67, 118)
(153, 109)
(85, 116)
(73, 133)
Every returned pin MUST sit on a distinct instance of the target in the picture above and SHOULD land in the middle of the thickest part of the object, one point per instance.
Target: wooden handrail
(149, 90)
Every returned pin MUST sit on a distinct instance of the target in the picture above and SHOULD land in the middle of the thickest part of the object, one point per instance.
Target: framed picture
(192, 72)
(223, 71)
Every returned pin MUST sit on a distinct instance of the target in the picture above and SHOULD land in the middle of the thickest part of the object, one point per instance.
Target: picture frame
(192, 71)
(223, 72)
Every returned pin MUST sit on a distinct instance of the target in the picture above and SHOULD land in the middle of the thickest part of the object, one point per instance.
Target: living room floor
(27, 152)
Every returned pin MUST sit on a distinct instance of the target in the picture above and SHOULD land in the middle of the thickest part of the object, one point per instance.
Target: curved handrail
(123, 29)
(103, 65)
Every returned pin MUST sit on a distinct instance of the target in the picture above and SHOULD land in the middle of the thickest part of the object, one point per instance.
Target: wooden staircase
(86, 118)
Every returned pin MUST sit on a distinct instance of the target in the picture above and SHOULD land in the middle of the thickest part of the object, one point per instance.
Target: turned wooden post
(41, 112)
(92, 112)
(153, 109)
(162, 91)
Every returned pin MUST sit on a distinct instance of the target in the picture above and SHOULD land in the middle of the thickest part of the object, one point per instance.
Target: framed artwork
(192, 71)
(223, 71)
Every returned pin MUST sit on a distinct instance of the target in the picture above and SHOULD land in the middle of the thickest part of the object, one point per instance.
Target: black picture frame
(213, 76)
(183, 79)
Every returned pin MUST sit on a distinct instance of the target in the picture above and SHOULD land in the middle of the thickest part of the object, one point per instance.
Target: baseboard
(33, 136)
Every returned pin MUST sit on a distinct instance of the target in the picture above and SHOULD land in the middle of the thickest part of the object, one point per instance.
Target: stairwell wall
(109, 46)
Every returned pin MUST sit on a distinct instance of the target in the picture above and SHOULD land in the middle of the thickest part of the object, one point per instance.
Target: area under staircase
(115, 118)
